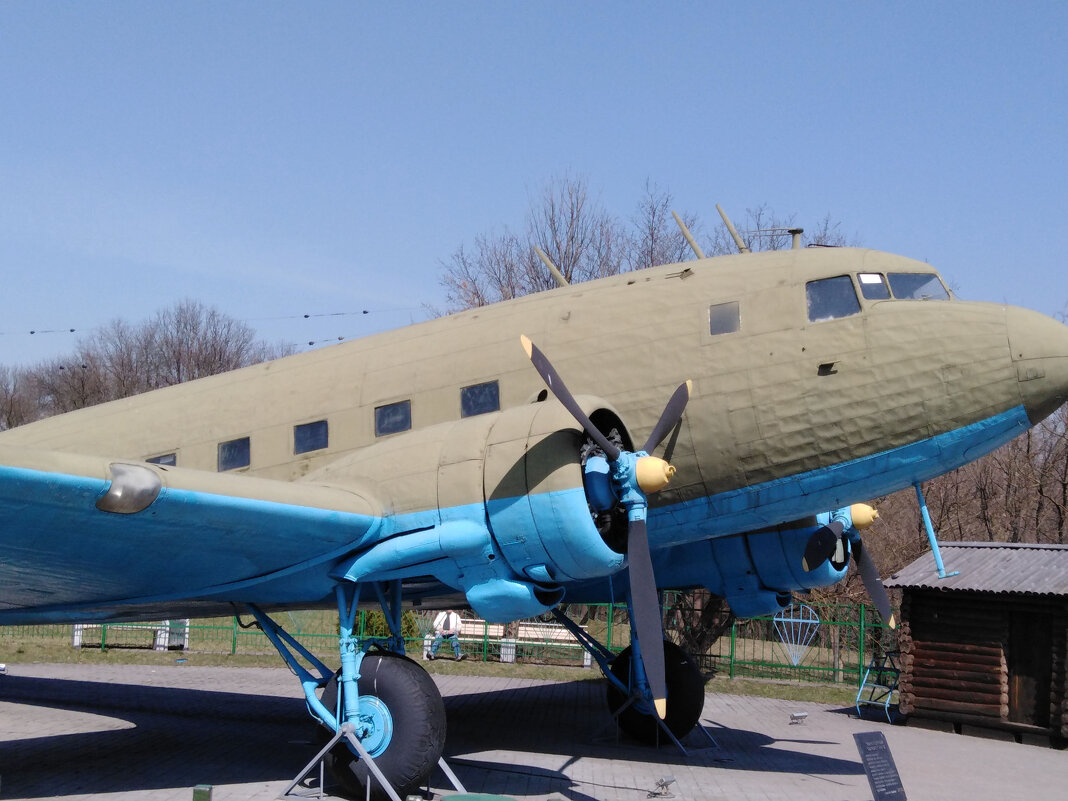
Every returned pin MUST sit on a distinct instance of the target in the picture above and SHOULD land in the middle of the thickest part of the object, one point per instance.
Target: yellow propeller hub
(863, 515)
(653, 473)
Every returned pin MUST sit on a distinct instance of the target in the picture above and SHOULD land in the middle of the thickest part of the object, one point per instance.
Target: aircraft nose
(1039, 347)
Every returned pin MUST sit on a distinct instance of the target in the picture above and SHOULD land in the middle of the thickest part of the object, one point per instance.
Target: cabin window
(234, 454)
(830, 298)
(167, 460)
(393, 418)
(310, 437)
(480, 399)
(873, 286)
(723, 318)
(917, 286)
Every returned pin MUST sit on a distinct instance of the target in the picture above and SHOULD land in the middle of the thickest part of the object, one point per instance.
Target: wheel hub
(375, 724)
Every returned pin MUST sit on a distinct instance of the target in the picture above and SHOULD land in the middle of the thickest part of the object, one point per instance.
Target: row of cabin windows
(830, 298)
(391, 418)
(394, 418)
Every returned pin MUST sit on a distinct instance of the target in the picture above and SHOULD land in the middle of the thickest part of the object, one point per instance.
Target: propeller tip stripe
(661, 707)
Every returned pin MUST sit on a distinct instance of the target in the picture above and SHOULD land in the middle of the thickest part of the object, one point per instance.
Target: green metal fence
(847, 639)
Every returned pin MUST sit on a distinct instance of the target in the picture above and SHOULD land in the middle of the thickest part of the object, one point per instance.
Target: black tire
(418, 736)
(685, 697)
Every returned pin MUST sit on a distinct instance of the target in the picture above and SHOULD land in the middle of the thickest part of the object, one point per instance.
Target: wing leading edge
(199, 539)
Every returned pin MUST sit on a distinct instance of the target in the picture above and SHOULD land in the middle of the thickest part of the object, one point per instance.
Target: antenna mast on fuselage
(689, 237)
(553, 269)
(733, 232)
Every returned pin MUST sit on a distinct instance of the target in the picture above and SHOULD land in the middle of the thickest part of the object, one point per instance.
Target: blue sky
(280, 159)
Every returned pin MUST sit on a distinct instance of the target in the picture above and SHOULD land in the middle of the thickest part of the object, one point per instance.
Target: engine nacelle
(755, 572)
(535, 497)
(492, 504)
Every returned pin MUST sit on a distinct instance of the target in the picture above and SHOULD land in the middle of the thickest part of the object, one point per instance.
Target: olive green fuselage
(779, 396)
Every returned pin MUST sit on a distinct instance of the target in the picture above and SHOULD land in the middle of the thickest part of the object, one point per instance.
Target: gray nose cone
(1039, 347)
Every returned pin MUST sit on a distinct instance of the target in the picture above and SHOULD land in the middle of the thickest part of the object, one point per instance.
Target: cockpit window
(917, 286)
(873, 286)
(830, 298)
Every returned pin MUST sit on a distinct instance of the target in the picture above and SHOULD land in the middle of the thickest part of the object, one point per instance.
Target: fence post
(103, 636)
(608, 639)
(734, 625)
(860, 650)
(233, 636)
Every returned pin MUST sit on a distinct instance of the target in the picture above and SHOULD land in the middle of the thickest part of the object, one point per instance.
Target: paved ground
(125, 732)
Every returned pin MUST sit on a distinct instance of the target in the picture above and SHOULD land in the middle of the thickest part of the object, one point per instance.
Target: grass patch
(838, 694)
(510, 670)
(54, 650)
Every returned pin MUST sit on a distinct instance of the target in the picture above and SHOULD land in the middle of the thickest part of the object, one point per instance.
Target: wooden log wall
(1058, 702)
(954, 655)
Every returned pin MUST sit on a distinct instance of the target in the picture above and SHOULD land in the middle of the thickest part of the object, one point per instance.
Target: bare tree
(18, 400)
(763, 229)
(186, 341)
(190, 340)
(580, 237)
(496, 269)
(656, 238)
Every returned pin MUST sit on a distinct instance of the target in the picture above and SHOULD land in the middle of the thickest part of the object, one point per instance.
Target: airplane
(449, 464)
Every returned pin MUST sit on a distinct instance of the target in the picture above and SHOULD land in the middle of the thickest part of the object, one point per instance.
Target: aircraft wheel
(685, 697)
(407, 718)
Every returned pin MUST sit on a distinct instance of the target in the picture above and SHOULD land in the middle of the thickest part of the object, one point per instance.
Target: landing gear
(685, 697)
(382, 718)
(405, 727)
(628, 698)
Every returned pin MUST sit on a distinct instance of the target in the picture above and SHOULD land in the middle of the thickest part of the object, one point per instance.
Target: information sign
(879, 765)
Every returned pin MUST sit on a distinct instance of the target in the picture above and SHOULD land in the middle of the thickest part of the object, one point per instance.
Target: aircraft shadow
(183, 737)
(571, 720)
(221, 738)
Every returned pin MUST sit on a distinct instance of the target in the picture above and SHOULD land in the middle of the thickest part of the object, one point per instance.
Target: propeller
(822, 546)
(634, 476)
(869, 572)
(828, 542)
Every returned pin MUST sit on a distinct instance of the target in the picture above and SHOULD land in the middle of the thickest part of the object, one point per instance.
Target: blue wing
(70, 549)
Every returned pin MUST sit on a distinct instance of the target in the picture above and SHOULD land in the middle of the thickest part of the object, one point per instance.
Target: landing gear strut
(404, 718)
(382, 699)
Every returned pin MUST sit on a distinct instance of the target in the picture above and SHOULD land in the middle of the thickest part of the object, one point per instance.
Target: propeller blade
(821, 545)
(869, 572)
(646, 606)
(556, 385)
(670, 417)
(669, 449)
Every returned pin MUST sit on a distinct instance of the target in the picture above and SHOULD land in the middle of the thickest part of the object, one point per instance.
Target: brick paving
(137, 732)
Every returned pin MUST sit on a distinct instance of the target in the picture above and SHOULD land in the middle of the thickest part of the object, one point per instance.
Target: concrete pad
(124, 732)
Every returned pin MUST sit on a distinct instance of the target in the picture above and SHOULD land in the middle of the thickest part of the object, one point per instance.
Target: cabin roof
(992, 567)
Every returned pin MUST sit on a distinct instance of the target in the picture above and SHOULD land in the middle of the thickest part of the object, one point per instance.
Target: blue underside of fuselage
(815, 491)
(309, 579)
